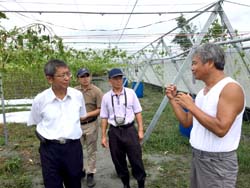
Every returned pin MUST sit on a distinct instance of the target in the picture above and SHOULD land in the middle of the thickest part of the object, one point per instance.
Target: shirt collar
(88, 88)
(113, 93)
(52, 96)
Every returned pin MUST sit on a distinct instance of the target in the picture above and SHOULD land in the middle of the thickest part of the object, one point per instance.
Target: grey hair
(52, 65)
(211, 52)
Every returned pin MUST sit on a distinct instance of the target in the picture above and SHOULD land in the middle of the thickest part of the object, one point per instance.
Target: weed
(166, 147)
(12, 165)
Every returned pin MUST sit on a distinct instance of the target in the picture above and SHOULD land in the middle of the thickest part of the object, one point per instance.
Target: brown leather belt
(89, 121)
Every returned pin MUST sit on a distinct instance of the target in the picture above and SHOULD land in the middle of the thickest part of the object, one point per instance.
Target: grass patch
(167, 154)
(166, 135)
(167, 140)
(19, 159)
(7, 110)
(173, 174)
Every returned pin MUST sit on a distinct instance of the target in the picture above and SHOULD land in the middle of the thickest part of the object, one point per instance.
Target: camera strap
(112, 101)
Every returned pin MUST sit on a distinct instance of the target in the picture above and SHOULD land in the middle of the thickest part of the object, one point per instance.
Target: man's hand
(184, 100)
(84, 117)
(140, 135)
(104, 142)
(171, 91)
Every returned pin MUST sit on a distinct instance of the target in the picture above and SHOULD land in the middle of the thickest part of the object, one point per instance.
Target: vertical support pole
(3, 111)
(184, 66)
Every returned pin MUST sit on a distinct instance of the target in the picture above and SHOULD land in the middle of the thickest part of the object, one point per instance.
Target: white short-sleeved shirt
(56, 118)
(121, 109)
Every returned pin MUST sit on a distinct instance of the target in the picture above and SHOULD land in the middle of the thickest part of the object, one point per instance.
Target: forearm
(104, 124)
(183, 117)
(139, 121)
(213, 124)
(140, 126)
(94, 113)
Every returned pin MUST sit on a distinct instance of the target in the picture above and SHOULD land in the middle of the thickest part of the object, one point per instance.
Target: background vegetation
(167, 153)
(23, 52)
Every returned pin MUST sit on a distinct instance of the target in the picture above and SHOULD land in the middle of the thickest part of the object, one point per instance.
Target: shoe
(125, 181)
(141, 184)
(83, 174)
(90, 180)
(126, 186)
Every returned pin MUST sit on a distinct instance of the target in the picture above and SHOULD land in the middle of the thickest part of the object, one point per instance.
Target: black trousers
(125, 142)
(61, 164)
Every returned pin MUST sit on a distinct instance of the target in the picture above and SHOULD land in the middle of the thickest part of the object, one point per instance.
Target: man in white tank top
(216, 116)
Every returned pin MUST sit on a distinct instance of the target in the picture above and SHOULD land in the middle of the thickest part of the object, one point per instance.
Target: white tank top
(203, 139)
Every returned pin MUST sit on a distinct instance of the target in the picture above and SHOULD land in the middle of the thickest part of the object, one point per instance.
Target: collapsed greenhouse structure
(161, 70)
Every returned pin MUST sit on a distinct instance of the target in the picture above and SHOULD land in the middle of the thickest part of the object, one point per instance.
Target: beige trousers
(89, 143)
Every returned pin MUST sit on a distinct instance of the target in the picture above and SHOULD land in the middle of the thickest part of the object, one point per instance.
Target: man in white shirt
(56, 112)
(216, 116)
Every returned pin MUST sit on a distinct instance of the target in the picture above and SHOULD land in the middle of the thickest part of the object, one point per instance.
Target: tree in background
(23, 52)
(2, 15)
(185, 37)
(215, 33)
(31, 46)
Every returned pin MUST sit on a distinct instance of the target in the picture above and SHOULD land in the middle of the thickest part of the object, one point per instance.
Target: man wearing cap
(120, 106)
(92, 97)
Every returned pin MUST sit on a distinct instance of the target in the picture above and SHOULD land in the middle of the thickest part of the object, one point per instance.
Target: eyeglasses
(64, 75)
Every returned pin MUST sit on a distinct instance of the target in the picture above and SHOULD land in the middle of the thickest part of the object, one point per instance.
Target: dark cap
(115, 72)
(82, 71)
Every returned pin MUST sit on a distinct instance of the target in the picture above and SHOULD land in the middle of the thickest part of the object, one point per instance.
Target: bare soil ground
(106, 175)
(24, 145)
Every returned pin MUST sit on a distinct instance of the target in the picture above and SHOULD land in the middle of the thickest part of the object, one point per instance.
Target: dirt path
(106, 175)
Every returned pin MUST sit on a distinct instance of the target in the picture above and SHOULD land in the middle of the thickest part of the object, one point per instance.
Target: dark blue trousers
(124, 142)
(61, 164)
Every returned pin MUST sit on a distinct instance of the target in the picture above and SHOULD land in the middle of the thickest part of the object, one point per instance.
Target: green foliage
(20, 167)
(31, 48)
(16, 166)
(244, 148)
(173, 173)
(185, 36)
(216, 32)
(165, 136)
(2, 141)
(13, 110)
(24, 51)
(159, 69)
(20, 181)
(244, 157)
(12, 165)
(24, 83)
(237, 70)
(2, 16)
